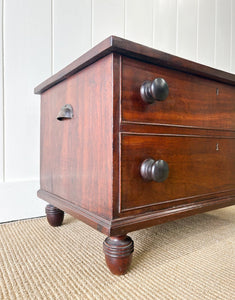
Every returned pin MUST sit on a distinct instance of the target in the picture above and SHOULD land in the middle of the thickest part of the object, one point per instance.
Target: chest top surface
(137, 51)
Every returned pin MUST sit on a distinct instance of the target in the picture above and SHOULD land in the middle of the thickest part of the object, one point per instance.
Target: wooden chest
(132, 137)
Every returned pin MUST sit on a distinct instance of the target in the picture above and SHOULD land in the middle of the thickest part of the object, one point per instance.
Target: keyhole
(217, 147)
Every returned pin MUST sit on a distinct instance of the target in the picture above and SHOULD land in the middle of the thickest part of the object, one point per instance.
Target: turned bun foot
(55, 216)
(118, 253)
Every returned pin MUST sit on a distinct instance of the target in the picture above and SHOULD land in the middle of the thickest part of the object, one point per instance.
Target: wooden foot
(118, 253)
(55, 216)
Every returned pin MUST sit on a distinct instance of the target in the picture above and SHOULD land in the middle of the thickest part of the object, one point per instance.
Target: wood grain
(76, 154)
(192, 100)
(118, 253)
(130, 223)
(90, 164)
(196, 168)
(168, 129)
(123, 224)
(137, 51)
(54, 215)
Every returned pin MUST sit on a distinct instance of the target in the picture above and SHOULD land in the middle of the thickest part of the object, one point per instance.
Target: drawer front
(192, 100)
(199, 168)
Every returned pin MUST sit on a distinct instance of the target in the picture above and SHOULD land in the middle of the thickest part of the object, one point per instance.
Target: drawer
(199, 168)
(192, 100)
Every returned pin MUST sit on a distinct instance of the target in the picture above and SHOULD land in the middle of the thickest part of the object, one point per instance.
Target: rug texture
(191, 258)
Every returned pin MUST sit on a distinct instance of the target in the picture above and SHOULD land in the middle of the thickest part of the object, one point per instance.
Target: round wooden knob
(154, 170)
(156, 90)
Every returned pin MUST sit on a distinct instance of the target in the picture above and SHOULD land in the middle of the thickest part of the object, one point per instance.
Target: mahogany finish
(75, 164)
(192, 100)
(118, 253)
(101, 119)
(127, 48)
(198, 167)
(55, 216)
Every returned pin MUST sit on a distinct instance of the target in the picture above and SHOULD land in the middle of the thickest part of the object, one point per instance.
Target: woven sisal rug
(192, 258)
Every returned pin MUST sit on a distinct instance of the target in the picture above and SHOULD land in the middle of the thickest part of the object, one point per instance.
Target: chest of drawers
(132, 137)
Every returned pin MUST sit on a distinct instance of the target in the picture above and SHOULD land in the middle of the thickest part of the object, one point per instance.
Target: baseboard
(18, 200)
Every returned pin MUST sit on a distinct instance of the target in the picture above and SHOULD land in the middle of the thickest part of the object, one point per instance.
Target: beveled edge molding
(123, 225)
(100, 50)
(137, 51)
(181, 201)
(87, 217)
(185, 130)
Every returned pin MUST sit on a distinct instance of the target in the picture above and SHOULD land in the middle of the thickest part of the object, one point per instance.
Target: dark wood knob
(156, 90)
(66, 112)
(154, 170)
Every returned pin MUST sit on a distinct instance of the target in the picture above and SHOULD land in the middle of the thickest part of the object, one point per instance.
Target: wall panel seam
(231, 35)
(91, 44)
(3, 93)
(177, 28)
(216, 16)
(197, 37)
(124, 18)
(52, 37)
(153, 21)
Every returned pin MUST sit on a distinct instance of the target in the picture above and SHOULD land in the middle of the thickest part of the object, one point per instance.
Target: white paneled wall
(38, 38)
(71, 30)
(139, 21)
(232, 53)
(27, 61)
(223, 24)
(165, 25)
(111, 15)
(186, 45)
(206, 31)
(1, 101)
